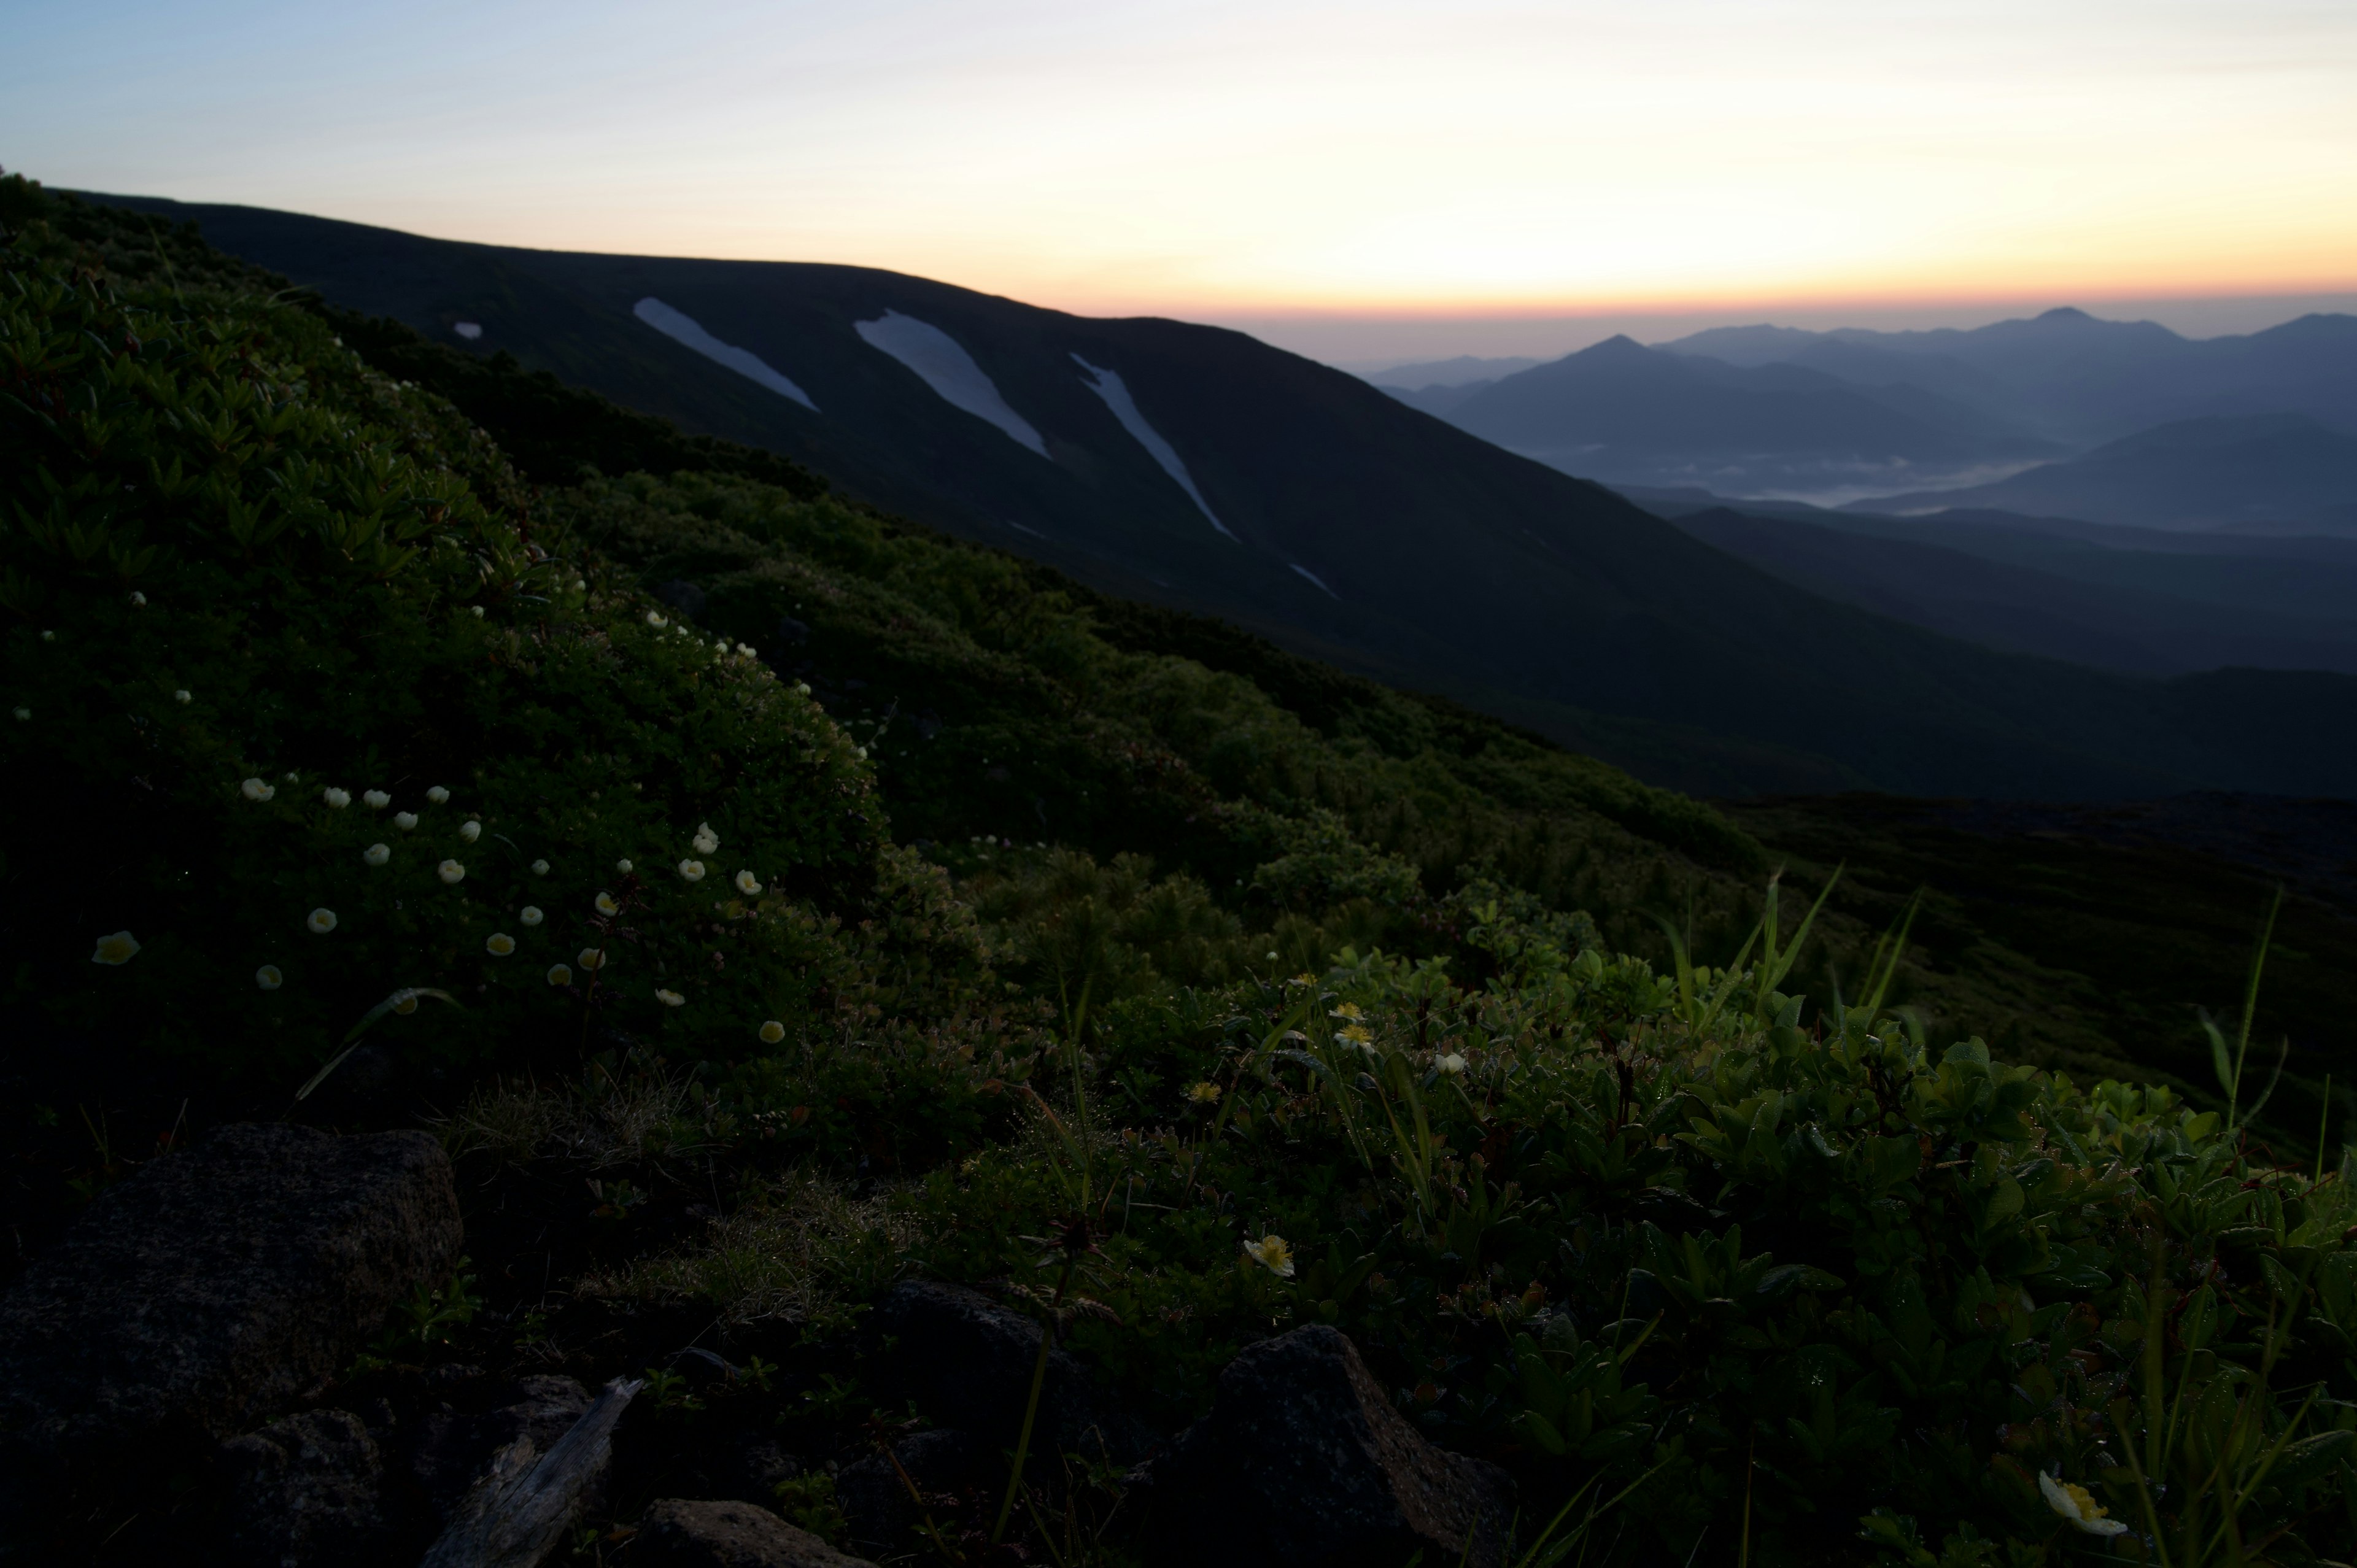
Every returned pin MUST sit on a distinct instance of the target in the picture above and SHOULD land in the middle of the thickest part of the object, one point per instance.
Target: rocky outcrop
(305, 1491)
(210, 1291)
(1304, 1463)
(679, 1533)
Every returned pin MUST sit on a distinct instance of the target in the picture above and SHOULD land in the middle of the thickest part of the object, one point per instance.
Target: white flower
(803, 687)
(670, 998)
(292, 775)
(253, 788)
(2071, 1501)
(478, 612)
(772, 1032)
(23, 713)
(530, 915)
(268, 978)
(746, 649)
(540, 868)
(692, 870)
(1452, 1064)
(375, 800)
(705, 839)
(337, 797)
(558, 975)
(450, 871)
(591, 958)
(321, 921)
(1271, 1254)
(623, 866)
(499, 944)
(48, 636)
(862, 751)
(377, 854)
(139, 599)
(580, 584)
(404, 821)
(747, 884)
(116, 949)
(653, 618)
(438, 795)
(470, 830)
(605, 904)
(182, 697)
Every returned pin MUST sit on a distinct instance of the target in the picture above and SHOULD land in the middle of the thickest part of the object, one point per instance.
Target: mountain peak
(2065, 313)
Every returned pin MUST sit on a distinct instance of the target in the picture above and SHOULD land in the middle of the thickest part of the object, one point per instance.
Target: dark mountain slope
(1356, 529)
(2279, 468)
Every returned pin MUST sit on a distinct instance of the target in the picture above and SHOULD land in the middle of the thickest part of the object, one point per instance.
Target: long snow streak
(1316, 579)
(684, 329)
(1109, 386)
(943, 365)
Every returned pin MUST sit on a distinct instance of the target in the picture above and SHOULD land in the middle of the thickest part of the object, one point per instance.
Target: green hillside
(765, 896)
(1446, 564)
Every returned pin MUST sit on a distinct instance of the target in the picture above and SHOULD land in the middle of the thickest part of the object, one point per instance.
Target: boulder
(303, 1491)
(678, 1534)
(1303, 1462)
(967, 1362)
(210, 1291)
(877, 1501)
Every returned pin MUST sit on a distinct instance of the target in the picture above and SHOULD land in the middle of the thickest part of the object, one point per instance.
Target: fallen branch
(517, 1512)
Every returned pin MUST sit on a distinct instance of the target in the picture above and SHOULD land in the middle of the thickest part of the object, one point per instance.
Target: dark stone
(1303, 1462)
(678, 1534)
(758, 1468)
(211, 1290)
(309, 1489)
(684, 596)
(967, 1362)
(877, 1501)
(453, 1450)
(790, 633)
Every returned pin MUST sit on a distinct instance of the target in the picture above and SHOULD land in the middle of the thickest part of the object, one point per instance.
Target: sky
(1359, 182)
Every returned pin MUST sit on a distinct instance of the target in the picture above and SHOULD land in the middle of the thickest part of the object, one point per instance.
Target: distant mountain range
(1453, 372)
(2136, 426)
(1201, 468)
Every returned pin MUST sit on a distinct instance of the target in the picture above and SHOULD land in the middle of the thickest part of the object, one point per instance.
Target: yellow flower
(530, 915)
(116, 949)
(559, 976)
(605, 904)
(670, 998)
(1353, 1034)
(407, 1004)
(321, 921)
(691, 870)
(253, 788)
(772, 1032)
(1348, 1010)
(268, 978)
(470, 831)
(1271, 1254)
(499, 944)
(591, 958)
(450, 871)
(2071, 1501)
(1204, 1093)
(376, 854)
(747, 884)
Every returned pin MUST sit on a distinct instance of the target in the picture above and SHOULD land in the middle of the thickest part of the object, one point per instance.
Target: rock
(305, 1491)
(684, 596)
(210, 1291)
(759, 1466)
(967, 1362)
(454, 1450)
(678, 1534)
(1303, 1462)
(876, 1500)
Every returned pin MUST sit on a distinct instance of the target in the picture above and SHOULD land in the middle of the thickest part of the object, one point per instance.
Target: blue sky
(1376, 177)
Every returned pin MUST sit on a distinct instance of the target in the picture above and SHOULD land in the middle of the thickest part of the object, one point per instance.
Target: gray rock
(679, 1533)
(684, 596)
(967, 1362)
(877, 1501)
(1303, 1462)
(454, 1450)
(303, 1491)
(213, 1289)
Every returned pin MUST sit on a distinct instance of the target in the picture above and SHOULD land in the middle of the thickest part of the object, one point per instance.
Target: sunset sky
(1371, 175)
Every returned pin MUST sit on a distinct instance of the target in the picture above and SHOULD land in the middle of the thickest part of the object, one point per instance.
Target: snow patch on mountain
(942, 364)
(1108, 385)
(684, 329)
(1316, 579)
